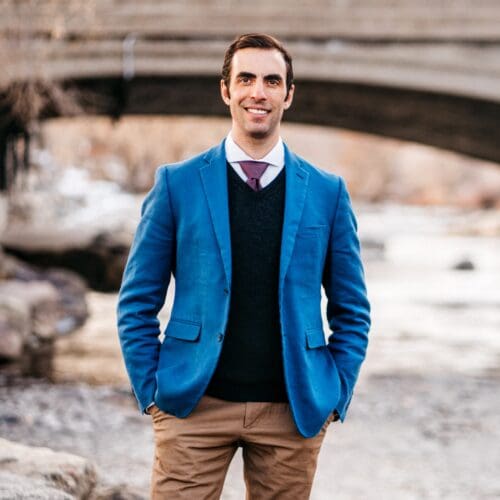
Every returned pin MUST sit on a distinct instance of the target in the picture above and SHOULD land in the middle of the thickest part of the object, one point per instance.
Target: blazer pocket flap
(183, 330)
(315, 338)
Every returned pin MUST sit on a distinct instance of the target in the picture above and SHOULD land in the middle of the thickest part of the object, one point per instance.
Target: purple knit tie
(254, 170)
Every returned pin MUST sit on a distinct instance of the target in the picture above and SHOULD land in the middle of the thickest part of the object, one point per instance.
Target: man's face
(257, 94)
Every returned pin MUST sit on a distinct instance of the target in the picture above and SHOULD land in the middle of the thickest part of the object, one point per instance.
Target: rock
(71, 290)
(74, 223)
(14, 486)
(37, 359)
(464, 265)
(37, 306)
(56, 297)
(42, 301)
(119, 492)
(15, 326)
(68, 475)
(100, 262)
(13, 268)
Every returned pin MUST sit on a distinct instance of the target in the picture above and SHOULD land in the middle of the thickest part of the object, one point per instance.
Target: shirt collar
(235, 154)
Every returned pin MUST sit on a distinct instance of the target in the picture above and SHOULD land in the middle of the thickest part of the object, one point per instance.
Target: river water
(427, 314)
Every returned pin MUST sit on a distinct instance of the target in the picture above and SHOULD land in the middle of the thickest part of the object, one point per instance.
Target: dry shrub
(25, 45)
(27, 101)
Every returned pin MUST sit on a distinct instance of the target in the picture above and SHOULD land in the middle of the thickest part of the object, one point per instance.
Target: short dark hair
(256, 41)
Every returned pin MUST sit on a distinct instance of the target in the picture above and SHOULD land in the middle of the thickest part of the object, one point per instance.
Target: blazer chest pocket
(183, 330)
(312, 231)
(306, 266)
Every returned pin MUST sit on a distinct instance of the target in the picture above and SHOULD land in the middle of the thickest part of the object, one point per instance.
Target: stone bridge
(421, 71)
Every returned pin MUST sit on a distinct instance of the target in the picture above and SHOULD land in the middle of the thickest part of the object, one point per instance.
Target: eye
(274, 83)
(245, 80)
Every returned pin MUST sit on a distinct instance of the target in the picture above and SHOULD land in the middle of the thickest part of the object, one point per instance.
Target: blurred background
(401, 98)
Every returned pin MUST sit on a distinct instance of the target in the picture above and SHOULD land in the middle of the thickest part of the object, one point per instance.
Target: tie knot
(253, 169)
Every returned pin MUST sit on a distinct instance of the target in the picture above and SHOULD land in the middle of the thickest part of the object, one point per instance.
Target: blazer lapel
(297, 179)
(214, 180)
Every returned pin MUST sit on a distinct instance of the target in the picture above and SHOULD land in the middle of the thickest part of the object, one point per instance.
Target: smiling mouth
(257, 111)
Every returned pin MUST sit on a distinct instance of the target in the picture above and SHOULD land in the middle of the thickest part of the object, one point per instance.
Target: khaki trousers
(192, 454)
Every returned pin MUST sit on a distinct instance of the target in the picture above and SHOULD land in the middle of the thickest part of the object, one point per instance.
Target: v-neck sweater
(250, 367)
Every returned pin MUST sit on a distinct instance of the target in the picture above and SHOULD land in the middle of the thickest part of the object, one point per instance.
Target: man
(244, 361)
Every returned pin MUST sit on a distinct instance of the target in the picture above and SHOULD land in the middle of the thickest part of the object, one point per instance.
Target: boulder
(35, 472)
(15, 326)
(37, 306)
(42, 301)
(100, 262)
(75, 223)
(118, 492)
(15, 486)
(71, 289)
(464, 265)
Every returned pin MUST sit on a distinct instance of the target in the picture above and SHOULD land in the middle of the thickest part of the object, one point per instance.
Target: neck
(256, 148)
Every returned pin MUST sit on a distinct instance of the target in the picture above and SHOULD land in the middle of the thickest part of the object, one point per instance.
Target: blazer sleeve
(348, 309)
(144, 287)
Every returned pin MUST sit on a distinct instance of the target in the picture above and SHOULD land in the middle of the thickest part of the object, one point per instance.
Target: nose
(258, 90)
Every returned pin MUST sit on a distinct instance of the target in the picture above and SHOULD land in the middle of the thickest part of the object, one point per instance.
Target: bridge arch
(428, 75)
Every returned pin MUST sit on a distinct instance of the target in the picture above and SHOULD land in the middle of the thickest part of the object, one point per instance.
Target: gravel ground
(406, 437)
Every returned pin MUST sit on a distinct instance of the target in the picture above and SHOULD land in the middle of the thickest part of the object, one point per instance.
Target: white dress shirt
(275, 158)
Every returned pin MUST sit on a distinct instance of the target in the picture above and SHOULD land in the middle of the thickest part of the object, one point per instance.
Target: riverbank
(424, 420)
(406, 436)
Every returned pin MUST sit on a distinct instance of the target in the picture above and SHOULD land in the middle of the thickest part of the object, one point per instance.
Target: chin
(259, 134)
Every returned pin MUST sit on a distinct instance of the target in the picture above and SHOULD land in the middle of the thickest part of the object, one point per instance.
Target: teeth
(257, 111)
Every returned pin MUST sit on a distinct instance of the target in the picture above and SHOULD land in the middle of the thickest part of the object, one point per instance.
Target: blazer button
(226, 291)
(220, 337)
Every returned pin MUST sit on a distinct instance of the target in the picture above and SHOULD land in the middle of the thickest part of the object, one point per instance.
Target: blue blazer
(184, 232)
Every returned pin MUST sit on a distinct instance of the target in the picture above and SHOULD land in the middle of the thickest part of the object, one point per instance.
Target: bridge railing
(320, 19)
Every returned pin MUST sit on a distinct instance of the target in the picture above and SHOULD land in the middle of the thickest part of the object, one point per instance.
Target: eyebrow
(273, 77)
(245, 74)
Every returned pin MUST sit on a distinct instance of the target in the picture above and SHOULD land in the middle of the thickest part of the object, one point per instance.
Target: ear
(224, 92)
(289, 97)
